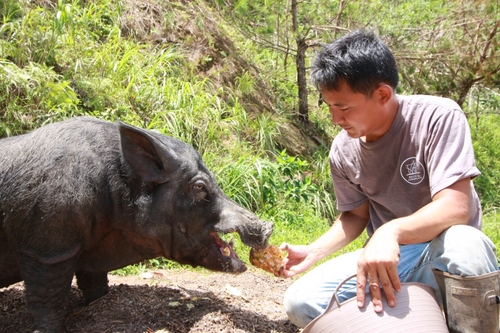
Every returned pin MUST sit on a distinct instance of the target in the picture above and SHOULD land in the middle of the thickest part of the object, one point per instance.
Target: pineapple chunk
(270, 259)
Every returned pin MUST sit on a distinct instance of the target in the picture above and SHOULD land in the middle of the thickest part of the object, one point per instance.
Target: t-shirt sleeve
(348, 195)
(449, 151)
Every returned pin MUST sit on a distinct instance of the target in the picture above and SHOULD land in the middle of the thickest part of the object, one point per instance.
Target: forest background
(231, 78)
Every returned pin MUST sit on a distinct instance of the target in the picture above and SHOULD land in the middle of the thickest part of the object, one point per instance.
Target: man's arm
(348, 226)
(449, 207)
(378, 262)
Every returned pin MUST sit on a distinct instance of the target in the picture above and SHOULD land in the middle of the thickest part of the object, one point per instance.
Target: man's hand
(299, 259)
(377, 266)
(347, 227)
(379, 260)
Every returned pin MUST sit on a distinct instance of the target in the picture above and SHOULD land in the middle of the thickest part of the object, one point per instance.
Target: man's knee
(464, 236)
(466, 251)
(297, 307)
(465, 233)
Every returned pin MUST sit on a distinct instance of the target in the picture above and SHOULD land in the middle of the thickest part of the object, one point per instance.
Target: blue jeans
(460, 250)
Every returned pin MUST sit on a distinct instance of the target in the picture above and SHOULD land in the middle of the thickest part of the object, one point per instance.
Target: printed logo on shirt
(412, 171)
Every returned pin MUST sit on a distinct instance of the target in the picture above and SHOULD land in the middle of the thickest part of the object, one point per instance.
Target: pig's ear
(140, 152)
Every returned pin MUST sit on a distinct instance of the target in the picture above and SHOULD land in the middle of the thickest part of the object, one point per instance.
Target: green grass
(485, 131)
(74, 59)
(491, 223)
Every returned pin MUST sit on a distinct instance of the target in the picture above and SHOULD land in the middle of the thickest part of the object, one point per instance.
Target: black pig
(85, 196)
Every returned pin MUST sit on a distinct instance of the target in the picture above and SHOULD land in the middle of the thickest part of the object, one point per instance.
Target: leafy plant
(487, 135)
(228, 88)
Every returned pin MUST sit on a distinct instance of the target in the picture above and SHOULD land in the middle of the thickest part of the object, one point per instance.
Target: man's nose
(337, 117)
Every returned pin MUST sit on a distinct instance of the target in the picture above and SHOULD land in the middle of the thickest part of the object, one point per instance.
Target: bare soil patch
(174, 301)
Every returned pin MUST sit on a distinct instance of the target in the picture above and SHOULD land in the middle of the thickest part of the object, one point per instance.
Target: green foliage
(73, 58)
(270, 186)
(491, 221)
(486, 146)
(136, 269)
(444, 47)
(37, 89)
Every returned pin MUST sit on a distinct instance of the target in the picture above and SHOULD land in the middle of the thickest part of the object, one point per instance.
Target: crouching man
(402, 168)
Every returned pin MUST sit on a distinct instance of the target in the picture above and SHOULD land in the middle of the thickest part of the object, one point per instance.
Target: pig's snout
(256, 235)
(267, 230)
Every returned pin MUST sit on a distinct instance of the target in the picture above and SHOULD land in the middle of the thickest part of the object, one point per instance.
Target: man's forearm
(345, 229)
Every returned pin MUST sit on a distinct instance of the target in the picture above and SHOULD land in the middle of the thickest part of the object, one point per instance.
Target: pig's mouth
(221, 255)
(226, 248)
(227, 253)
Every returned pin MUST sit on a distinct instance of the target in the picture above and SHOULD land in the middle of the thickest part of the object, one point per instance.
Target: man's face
(358, 115)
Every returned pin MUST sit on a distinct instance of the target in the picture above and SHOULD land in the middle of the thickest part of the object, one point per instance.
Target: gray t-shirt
(427, 148)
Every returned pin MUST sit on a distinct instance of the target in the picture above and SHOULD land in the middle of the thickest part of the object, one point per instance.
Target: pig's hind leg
(93, 284)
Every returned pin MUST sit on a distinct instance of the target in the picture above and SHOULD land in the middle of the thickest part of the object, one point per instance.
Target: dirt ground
(177, 301)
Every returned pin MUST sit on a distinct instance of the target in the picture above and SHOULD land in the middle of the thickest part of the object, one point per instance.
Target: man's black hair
(360, 59)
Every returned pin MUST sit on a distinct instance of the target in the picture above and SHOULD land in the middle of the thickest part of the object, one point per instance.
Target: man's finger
(394, 279)
(387, 287)
(376, 294)
(361, 288)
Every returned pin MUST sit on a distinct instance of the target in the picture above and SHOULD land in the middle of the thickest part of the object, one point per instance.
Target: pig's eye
(200, 191)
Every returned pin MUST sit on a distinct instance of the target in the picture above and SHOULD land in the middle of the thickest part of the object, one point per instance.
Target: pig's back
(68, 170)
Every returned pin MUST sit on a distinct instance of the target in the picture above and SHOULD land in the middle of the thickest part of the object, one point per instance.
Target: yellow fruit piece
(270, 259)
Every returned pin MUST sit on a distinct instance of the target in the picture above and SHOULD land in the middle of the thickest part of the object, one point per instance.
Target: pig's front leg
(47, 291)
(93, 284)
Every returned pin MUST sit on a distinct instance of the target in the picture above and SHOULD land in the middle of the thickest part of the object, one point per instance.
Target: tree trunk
(300, 62)
(302, 80)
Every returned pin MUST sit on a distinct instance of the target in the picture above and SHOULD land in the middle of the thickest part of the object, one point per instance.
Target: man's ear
(384, 92)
